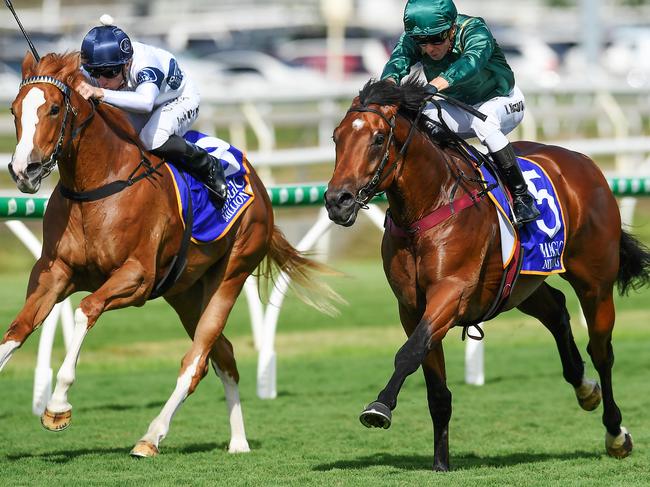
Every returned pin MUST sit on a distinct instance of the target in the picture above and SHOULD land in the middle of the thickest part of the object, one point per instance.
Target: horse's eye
(379, 139)
(12, 111)
(55, 110)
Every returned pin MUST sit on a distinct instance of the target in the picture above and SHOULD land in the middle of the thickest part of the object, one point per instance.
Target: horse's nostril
(345, 198)
(33, 169)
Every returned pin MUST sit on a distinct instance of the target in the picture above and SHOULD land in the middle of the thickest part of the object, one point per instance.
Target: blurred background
(277, 76)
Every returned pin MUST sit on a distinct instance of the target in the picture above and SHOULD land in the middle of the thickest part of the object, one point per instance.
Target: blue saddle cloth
(542, 240)
(210, 224)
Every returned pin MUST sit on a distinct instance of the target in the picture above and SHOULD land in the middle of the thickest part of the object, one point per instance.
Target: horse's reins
(48, 165)
(442, 213)
(368, 191)
(180, 259)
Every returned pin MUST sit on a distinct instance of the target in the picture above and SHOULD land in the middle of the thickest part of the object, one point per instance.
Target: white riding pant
(173, 117)
(503, 113)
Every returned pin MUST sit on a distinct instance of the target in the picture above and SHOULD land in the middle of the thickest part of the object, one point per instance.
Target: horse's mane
(65, 67)
(407, 97)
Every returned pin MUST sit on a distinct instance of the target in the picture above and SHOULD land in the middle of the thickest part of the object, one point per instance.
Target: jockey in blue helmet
(162, 102)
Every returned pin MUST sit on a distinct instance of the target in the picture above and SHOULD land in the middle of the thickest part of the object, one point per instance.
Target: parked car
(628, 55)
(249, 72)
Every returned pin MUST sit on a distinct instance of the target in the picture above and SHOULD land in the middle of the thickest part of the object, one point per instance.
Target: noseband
(368, 191)
(48, 165)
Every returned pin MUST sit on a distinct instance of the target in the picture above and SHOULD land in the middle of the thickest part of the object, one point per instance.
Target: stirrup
(524, 211)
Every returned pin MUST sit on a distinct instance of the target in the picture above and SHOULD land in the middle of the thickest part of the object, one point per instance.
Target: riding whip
(29, 41)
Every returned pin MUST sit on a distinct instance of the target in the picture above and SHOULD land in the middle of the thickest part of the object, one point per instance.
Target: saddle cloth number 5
(542, 195)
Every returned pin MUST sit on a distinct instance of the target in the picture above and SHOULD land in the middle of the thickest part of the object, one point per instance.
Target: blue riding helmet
(105, 46)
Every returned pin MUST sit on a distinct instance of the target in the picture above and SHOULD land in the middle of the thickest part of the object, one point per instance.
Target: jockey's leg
(524, 208)
(197, 160)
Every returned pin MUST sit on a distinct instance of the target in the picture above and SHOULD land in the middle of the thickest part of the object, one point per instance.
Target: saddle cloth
(210, 224)
(542, 240)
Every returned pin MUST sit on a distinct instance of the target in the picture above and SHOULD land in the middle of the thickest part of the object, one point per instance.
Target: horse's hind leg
(223, 363)
(548, 305)
(598, 307)
(194, 365)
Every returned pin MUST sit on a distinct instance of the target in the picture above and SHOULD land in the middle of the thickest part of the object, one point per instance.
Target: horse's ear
(29, 65)
(356, 101)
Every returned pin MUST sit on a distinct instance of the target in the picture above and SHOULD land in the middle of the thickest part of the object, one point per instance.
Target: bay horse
(450, 274)
(121, 241)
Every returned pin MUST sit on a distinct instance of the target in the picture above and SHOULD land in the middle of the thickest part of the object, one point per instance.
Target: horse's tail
(634, 269)
(283, 257)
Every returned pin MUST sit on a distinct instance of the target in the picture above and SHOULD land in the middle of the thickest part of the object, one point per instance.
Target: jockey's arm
(140, 101)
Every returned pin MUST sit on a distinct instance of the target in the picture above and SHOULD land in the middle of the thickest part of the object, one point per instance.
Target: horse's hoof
(376, 415)
(238, 446)
(144, 449)
(56, 421)
(590, 399)
(619, 446)
(439, 467)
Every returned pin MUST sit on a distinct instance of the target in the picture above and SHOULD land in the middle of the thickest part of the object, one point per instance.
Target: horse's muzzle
(28, 181)
(341, 207)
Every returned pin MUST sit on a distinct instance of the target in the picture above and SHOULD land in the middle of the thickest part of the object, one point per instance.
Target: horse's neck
(421, 183)
(98, 156)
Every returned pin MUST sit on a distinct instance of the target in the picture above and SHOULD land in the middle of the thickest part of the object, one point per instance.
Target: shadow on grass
(458, 462)
(65, 456)
(125, 407)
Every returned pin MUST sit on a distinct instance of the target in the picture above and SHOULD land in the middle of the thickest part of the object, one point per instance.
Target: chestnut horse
(450, 274)
(119, 244)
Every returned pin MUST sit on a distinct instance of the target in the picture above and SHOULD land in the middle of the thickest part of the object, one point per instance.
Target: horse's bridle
(368, 191)
(48, 165)
(95, 194)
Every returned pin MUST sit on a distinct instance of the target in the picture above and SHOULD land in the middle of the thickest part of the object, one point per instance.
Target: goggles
(436, 39)
(107, 72)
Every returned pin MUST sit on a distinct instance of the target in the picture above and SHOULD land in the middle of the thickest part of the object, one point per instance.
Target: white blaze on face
(358, 124)
(32, 101)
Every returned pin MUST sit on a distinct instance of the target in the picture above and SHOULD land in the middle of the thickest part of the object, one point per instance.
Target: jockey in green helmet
(460, 56)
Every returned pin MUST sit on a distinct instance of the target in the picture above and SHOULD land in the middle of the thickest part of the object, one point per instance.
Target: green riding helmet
(423, 18)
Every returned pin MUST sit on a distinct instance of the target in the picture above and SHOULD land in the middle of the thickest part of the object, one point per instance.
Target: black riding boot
(523, 203)
(201, 164)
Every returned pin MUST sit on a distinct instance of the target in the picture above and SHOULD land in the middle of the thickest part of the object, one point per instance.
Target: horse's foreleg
(439, 316)
(49, 282)
(195, 363)
(439, 399)
(548, 305)
(127, 286)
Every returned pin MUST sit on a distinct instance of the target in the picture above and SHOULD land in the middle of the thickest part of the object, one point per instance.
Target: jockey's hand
(89, 91)
(430, 89)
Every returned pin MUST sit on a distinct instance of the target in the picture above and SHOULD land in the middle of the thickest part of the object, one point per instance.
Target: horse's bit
(48, 165)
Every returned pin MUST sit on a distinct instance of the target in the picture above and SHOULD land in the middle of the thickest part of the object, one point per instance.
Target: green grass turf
(523, 427)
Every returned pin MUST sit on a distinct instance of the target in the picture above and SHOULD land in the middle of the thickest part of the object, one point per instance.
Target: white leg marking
(358, 124)
(586, 388)
(616, 442)
(58, 403)
(6, 351)
(28, 120)
(160, 426)
(238, 442)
